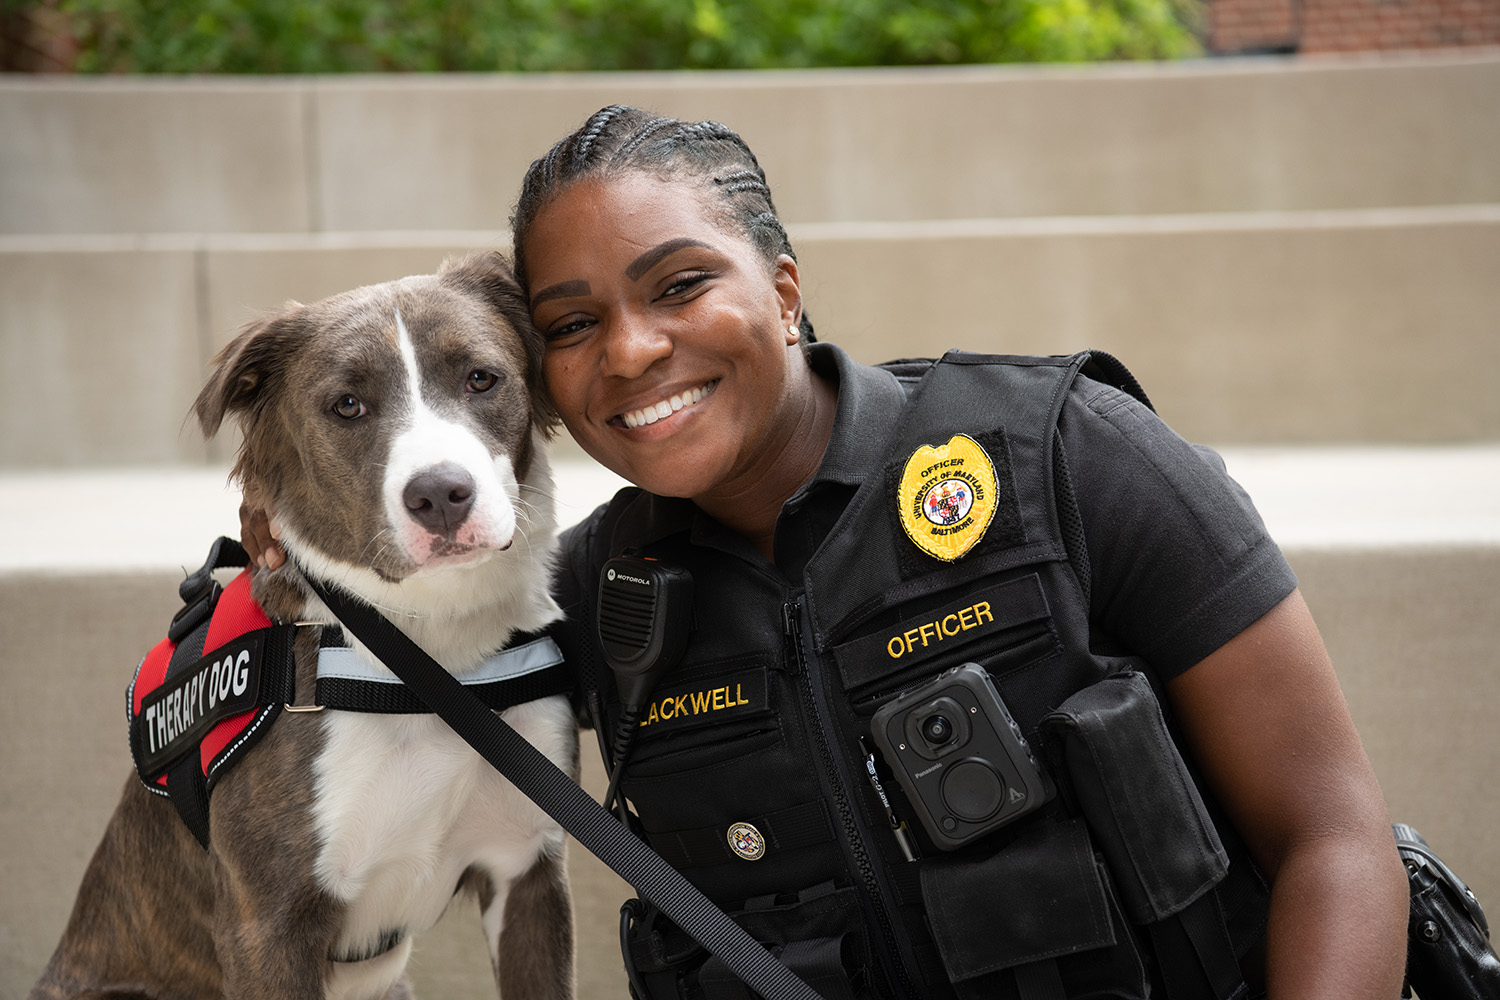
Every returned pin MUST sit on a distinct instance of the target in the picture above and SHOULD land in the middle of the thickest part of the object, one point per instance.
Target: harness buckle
(198, 609)
(287, 705)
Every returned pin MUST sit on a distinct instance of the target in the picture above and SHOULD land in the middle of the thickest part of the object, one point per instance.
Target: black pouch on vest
(816, 933)
(1133, 789)
(1038, 906)
(1449, 953)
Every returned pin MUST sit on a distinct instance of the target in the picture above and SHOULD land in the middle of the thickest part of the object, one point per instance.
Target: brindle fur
(159, 917)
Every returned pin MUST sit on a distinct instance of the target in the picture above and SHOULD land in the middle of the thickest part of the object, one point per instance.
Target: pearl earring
(794, 332)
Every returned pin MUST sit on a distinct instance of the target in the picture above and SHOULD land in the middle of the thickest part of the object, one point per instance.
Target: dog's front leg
(529, 925)
(272, 944)
(273, 925)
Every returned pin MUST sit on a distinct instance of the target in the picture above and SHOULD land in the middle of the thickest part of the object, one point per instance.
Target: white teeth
(666, 407)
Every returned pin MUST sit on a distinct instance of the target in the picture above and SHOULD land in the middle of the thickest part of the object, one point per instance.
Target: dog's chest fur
(403, 808)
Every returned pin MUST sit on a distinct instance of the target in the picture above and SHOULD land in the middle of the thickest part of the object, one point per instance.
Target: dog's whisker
(550, 492)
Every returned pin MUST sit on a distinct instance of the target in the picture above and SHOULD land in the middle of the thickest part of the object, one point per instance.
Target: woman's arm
(1265, 719)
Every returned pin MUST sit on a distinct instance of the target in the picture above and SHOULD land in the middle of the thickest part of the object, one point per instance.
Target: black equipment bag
(1449, 956)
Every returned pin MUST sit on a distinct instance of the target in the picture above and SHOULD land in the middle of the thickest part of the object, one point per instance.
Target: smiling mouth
(666, 407)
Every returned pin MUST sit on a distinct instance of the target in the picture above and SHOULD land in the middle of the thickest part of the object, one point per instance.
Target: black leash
(562, 799)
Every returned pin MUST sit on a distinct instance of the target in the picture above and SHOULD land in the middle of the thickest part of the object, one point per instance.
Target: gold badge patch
(947, 497)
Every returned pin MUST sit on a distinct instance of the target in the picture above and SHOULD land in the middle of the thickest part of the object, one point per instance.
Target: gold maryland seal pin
(746, 842)
(947, 497)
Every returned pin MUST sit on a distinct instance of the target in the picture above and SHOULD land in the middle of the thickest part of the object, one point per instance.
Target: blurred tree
(336, 36)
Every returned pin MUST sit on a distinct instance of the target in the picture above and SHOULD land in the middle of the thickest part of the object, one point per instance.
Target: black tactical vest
(749, 770)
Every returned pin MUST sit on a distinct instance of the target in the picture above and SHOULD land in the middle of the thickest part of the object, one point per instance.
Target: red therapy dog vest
(193, 715)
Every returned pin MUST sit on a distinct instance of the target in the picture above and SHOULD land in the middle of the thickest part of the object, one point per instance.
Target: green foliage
(332, 36)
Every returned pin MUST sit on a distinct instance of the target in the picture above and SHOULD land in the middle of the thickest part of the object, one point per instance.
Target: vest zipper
(837, 780)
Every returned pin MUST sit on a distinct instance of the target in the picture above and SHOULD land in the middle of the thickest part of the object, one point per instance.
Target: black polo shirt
(1178, 560)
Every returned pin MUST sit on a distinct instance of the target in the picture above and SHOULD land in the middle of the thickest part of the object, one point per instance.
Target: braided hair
(621, 139)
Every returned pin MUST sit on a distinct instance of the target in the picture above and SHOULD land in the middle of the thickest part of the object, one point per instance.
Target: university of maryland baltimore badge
(947, 497)
(746, 841)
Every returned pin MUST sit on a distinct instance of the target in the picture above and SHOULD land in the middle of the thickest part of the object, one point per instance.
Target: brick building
(1261, 26)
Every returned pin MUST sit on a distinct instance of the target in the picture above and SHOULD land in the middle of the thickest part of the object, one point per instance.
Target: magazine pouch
(1032, 915)
(1132, 787)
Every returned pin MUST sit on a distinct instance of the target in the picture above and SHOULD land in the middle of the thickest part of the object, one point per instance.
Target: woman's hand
(258, 535)
(1266, 720)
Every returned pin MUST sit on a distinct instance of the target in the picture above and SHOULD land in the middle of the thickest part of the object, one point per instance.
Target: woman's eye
(684, 283)
(349, 407)
(481, 380)
(564, 330)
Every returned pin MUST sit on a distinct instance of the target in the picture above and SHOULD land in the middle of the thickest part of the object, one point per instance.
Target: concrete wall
(333, 154)
(1359, 326)
(1321, 236)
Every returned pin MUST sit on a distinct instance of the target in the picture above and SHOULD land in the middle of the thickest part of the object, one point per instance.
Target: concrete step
(1369, 326)
(1397, 551)
(160, 519)
(310, 154)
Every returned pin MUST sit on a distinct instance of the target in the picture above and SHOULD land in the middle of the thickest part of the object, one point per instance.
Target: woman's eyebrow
(561, 290)
(654, 256)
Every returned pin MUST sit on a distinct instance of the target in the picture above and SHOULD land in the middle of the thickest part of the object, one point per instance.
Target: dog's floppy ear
(488, 276)
(247, 370)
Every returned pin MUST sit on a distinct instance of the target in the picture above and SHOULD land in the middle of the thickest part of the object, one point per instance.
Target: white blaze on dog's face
(450, 486)
(389, 427)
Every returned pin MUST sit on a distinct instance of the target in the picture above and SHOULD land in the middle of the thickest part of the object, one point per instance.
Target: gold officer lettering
(946, 627)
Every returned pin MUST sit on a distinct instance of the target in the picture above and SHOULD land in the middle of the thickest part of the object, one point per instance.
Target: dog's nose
(439, 498)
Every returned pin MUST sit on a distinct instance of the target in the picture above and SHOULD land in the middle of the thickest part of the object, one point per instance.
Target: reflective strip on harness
(515, 675)
(516, 661)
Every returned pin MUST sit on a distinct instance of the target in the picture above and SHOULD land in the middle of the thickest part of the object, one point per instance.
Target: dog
(396, 433)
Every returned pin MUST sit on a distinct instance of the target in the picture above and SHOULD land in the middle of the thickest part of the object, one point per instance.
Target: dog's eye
(481, 380)
(349, 407)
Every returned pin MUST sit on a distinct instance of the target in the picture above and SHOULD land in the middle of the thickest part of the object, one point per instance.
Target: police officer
(852, 531)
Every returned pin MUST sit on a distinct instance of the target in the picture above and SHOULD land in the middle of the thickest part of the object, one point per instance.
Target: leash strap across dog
(542, 782)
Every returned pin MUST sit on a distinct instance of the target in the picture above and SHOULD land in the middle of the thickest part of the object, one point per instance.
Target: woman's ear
(789, 290)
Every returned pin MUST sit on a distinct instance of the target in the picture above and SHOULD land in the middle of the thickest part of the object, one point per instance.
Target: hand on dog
(258, 535)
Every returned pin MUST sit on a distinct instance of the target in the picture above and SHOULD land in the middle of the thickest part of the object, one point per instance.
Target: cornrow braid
(592, 130)
(643, 134)
(620, 139)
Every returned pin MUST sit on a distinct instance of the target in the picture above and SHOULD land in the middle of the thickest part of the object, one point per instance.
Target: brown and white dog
(396, 433)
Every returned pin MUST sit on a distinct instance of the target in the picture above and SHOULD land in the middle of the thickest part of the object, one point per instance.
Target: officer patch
(746, 842)
(947, 497)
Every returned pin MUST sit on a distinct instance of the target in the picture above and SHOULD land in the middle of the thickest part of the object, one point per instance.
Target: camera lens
(936, 729)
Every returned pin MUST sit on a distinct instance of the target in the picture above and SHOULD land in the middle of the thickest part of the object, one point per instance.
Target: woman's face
(667, 345)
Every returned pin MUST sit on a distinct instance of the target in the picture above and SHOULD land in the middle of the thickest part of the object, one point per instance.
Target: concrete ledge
(205, 157)
(372, 153)
(1275, 328)
(1305, 327)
